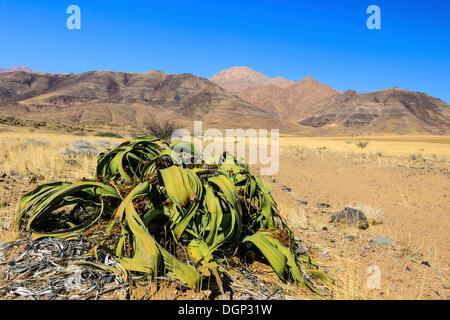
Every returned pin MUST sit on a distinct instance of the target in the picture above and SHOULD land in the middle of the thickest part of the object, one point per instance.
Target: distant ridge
(129, 99)
(15, 69)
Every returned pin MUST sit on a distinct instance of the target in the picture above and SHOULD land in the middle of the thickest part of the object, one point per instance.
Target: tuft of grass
(439, 158)
(362, 144)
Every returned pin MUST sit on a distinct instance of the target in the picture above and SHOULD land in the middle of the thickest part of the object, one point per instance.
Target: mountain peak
(238, 79)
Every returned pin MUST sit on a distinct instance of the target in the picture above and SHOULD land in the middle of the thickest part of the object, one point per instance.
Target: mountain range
(236, 97)
(100, 97)
(314, 104)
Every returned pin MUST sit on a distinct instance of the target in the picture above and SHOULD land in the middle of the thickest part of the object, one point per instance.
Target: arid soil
(414, 198)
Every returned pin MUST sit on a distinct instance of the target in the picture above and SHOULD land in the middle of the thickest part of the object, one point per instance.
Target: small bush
(108, 134)
(362, 144)
(80, 147)
(103, 144)
(415, 156)
(439, 158)
(162, 130)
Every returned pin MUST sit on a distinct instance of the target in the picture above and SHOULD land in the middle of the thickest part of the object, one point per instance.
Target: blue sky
(327, 40)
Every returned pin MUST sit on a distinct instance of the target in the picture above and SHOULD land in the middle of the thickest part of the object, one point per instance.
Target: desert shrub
(160, 215)
(38, 142)
(362, 144)
(161, 129)
(103, 144)
(82, 144)
(415, 156)
(439, 158)
(80, 147)
(107, 134)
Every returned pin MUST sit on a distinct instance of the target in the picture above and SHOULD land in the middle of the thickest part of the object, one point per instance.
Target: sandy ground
(414, 198)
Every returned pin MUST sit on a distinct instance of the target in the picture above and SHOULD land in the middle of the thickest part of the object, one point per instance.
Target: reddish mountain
(293, 99)
(237, 79)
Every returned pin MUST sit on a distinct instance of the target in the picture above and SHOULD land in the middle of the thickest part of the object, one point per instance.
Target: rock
(408, 268)
(303, 203)
(351, 216)
(287, 189)
(426, 263)
(325, 229)
(2, 275)
(383, 241)
(15, 173)
(323, 205)
(325, 253)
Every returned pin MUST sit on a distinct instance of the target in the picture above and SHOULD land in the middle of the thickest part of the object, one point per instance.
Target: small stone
(408, 268)
(322, 205)
(2, 275)
(287, 189)
(383, 241)
(426, 263)
(325, 229)
(303, 203)
(325, 253)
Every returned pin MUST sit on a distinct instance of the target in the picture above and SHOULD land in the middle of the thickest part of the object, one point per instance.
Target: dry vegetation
(409, 204)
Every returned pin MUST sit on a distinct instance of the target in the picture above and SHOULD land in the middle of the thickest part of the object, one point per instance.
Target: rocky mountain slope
(294, 99)
(127, 98)
(392, 110)
(307, 107)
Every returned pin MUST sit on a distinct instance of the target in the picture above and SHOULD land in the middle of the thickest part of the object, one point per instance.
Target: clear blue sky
(327, 40)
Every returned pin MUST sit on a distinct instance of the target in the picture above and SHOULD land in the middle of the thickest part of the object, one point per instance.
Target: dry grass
(28, 155)
(431, 147)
